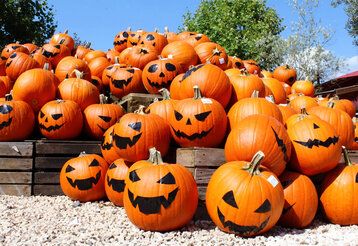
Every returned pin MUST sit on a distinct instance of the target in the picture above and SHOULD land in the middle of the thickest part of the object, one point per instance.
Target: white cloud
(351, 65)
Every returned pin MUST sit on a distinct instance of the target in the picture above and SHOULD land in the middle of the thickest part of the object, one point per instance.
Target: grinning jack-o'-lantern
(126, 80)
(243, 198)
(82, 178)
(159, 196)
(120, 41)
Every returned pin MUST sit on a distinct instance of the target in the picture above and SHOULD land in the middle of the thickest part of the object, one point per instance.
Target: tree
(305, 47)
(246, 28)
(26, 21)
(351, 8)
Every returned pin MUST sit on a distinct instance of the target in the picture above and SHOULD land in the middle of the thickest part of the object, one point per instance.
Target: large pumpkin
(139, 56)
(114, 182)
(285, 74)
(159, 196)
(182, 52)
(163, 108)
(126, 80)
(243, 198)
(66, 67)
(245, 84)
(55, 52)
(339, 193)
(19, 63)
(82, 178)
(155, 40)
(213, 53)
(259, 132)
(198, 121)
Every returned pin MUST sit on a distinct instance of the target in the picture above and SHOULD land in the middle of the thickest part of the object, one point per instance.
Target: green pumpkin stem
(254, 165)
(197, 92)
(140, 110)
(347, 160)
(155, 157)
(165, 93)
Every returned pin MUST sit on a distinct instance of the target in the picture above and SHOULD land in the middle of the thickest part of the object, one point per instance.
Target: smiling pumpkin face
(82, 178)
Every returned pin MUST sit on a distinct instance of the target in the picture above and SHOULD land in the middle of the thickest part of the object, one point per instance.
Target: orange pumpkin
(120, 41)
(97, 65)
(82, 50)
(126, 80)
(111, 55)
(171, 36)
(7, 82)
(236, 62)
(107, 147)
(30, 47)
(286, 111)
(97, 82)
(63, 38)
(182, 52)
(139, 56)
(175, 87)
(2, 67)
(107, 72)
(278, 92)
(213, 53)
(354, 144)
(252, 67)
(245, 84)
(55, 52)
(65, 68)
(301, 102)
(287, 88)
(11, 48)
(42, 60)
(114, 181)
(93, 54)
(197, 39)
(134, 37)
(285, 74)
(155, 40)
(18, 63)
(303, 86)
(163, 108)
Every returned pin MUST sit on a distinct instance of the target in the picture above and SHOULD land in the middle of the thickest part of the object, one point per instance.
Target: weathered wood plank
(200, 157)
(203, 175)
(15, 177)
(353, 155)
(47, 190)
(202, 191)
(19, 149)
(132, 101)
(201, 212)
(47, 178)
(68, 148)
(50, 162)
(15, 163)
(15, 190)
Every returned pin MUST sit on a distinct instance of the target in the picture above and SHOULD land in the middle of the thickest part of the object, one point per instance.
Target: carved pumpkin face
(120, 41)
(11, 48)
(55, 52)
(114, 183)
(155, 40)
(157, 192)
(159, 74)
(134, 37)
(82, 178)
(126, 80)
(108, 152)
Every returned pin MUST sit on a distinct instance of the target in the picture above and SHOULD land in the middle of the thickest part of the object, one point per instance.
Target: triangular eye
(42, 114)
(69, 169)
(112, 166)
(13, 55)
(229, 199)
(133, 176)
(94, 163)
(105, 118)
(202, 116)
(56, 116)
(130, 70)
(167, 179)
(153, 68)
(265, 207)
(5, 109)
(170, 67)
(135, 126)
(57, 46)
(178, 116)
(315, 126)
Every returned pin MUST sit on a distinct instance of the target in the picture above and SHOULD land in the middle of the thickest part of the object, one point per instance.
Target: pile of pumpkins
(276, 135)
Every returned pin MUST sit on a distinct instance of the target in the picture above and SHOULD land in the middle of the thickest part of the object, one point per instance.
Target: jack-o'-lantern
(55, 52)
(63, 38)
(11, 48)
(60, 119)
(286, 74)
(243, 198)
(159, 196)
(139, 56)
(154, 39)
(107, 146)
(182, 52)
(125, 80)
(120, 41)
(107, 72)
(197, 39)
(19, 63)
(82, 178)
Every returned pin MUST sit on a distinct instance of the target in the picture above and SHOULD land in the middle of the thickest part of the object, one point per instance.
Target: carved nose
(161, 75)
(188, 122)
(46, 120)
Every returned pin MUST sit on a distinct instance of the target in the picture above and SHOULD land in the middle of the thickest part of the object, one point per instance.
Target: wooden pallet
(132, 101)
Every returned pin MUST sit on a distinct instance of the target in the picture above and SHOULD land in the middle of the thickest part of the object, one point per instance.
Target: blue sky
(98, 21)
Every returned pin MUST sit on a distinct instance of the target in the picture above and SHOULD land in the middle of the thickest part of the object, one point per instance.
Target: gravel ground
(44, 220)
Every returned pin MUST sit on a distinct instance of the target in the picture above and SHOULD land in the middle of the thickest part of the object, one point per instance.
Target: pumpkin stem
(155, 157)
(116, 60)
(79, 74)
(156, 29)
(255, 94)
(88, 45)
(165, 93)
(216, 51)
(287, 66)
(83, 153)
(304, 111)
(244, 71)
(103, 99)
(8, 97)
(330, 104)
(129, 29)
(335, 97)
(347, 160)
(46, 66)
(254, 165)
(197, 92)
(140, 110)
(166, 29)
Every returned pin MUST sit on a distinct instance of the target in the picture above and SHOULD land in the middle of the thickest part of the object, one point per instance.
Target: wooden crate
(132, 101)
(16, 164)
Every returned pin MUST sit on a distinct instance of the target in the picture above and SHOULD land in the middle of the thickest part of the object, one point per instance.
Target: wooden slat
(66, 148)
(50, 162)
(47, 190)
(200, 157)
(202, 192)
(201, 212)
(19, 149)
(15, 190)
(203, 175)
(15, 163)
(353, 155)
(132, 101)
(47, 178)
(15, 177)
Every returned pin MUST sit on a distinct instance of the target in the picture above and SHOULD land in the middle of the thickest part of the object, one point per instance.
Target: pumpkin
(341, 104)
(159, 74)
(82, 50)
(285, 74)
(339, 193)
(107, 148)
(267, 74)
(114, 181)
(245, 84)
(244, 198)
(18, 63)
(63, 38)
(93, 54)
(197, 39)
(2, 67)
(213, 53)
(301, 101)
(99, 117)
(12, 48)
(134, 37)
(301, 200)
(65, 68)
(55, 52)
(17, 120)
(159, 196)
(81, 91)
(276, 88)
(269, 94)
(171, 36)
(316, 145)
(97, 82)
(259, 132)
(213, 83)
(340, 120)
(139, 56)
(155, 40)
(303, 86)
(233, 72)
(82, 178)
(41, 60)
(185, 35)
(163, 108)
(354, 144)
(126, 80)
(252, 106)
(251, 67)
(3, 89)
(287, 88)
(136, 132)
(123, 57)
(30, 47)
(36, 87)
(286, 111)
(107, 72)
(198, 121)
(111, 55)
(175, 87)
(60, 119)
(120, 41)
(182, 52)
(236, 62)
(7, 82)
(97, 65)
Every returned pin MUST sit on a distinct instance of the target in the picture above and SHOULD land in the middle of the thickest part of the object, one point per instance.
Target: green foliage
(246, 28)
(26, 21)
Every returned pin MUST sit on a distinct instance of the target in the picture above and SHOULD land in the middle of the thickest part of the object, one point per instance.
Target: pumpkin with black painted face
(126, 80)
(18, 63)
(139, 56)
(63, 38)
(136, 132)
(159, 196)
(243, 198)
(107, 146)
(213, 53)
(55, 52)
(155, 40)
(107, 72)
(134, 37)
(197, 39)
(120, 40)
(17, 120)
(159, 74)
(198, 121)
(114, 183)
(60, 119)
(316, 147)
(11, 48)
(82, 178)
(99, 117)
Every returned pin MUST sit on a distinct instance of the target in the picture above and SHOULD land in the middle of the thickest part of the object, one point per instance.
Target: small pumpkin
(2, 67)
(82, 50)
(134, 37)
(97, 65)
(236, 62)
(303, 86)
(114, 181)
(171, 36)
(94, 54)
(286, 74)
(30, 47)
(354, 144)
(19, 63)
(7, 82)
(154, 39)
(252, 67)
(212, 53)
(286, 111)
(287, 88)
(120, 41)
(42, 60)
(175, 87)
(107, 72)
(97, 82)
